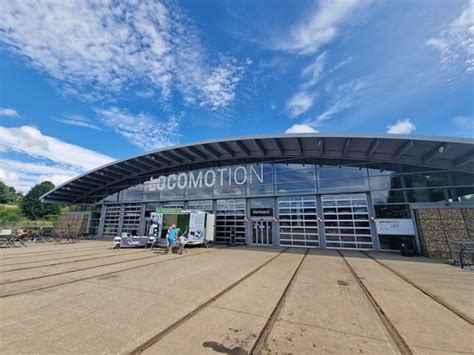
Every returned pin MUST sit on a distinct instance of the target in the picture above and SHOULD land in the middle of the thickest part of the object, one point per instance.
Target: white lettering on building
(244, 175)
(238, 175)
(212, 181)
(195, 182)
(182, 180)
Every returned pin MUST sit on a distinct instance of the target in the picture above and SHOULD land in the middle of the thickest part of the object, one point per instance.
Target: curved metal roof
(429, 152)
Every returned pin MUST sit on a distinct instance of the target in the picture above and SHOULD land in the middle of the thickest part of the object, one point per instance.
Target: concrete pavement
(87, 298)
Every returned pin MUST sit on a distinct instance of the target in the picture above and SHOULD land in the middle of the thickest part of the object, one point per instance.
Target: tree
(31, 206)
(7, 193)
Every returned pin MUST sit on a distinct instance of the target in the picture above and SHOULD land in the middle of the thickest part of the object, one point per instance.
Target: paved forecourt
(425, 325)
(87, 298)
(117, 312)
(451, 284)
(327, 312)
(233, 322)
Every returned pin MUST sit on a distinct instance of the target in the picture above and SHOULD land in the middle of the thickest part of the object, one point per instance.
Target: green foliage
(31, 206)
(8, 194)
(11, 218)
(9, 215)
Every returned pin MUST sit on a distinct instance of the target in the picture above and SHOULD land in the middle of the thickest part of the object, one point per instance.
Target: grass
(11, 218)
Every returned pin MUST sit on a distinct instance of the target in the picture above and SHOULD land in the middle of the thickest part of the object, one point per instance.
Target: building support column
(373, 227)
(319, 213)
(100, 230)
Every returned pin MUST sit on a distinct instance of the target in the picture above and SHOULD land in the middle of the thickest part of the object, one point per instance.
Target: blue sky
(85, 82)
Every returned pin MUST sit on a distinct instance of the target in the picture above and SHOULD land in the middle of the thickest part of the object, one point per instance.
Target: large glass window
(133, 193)
(465, 194)
(197, 187)
(175, 193)
(384, 180)
(425, 195)
(428, 179)
(261, 182)
(463, 179)
(341, 178)
(295, 178)
(112, 198)
(388, 196)
(150, 191)
(231, 182)
(298, 221)
(200, 205)
(392, 211)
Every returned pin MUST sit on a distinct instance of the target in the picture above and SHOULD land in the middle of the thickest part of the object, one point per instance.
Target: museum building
(330, 191)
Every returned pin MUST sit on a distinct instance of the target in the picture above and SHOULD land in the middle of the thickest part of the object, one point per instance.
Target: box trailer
(198, 227)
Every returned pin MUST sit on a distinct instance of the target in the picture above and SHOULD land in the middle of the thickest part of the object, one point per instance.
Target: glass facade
(310, 203)
(131, 219)
(112, 220)
(347, 222)
(230, 221)
(298, 221)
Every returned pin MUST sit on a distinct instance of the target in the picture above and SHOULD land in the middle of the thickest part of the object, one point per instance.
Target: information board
(393, 226)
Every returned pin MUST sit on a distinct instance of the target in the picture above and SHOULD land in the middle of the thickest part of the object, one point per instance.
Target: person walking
(172, 232)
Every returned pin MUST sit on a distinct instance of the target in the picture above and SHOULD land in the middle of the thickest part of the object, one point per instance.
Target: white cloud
(320, 27)
(401, 127)
(8, 177)
(27, 168)
(55, 179)
(341, 64)
(313, 72)
(30, 141)
(77, 120)
(342, 97)
(456, 42)
(301, 128)
(23, 175)
(141, 129)
(9, 112)
(48, 158)
(299, 103)
(101, 49)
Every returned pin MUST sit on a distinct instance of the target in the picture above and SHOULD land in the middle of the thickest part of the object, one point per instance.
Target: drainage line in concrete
(265, 331)
(142, 347)
(392, 331)
(435, 298)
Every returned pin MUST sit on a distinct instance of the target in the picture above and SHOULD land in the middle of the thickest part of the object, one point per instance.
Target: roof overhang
(427, 152)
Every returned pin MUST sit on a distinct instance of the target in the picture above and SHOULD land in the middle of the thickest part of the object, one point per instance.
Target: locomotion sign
(229, 176)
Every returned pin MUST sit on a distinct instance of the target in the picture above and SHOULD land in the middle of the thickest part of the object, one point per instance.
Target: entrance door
(262, 232)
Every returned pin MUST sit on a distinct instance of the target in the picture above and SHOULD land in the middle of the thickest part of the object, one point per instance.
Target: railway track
(434, 297)
(62, 251)
(155, 339)
(265, 331)
(95, 257)
(76, 270)
(97, 275)
(397, 339)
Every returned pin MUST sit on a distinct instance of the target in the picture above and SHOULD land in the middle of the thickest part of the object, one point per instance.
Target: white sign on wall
(392, 226)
